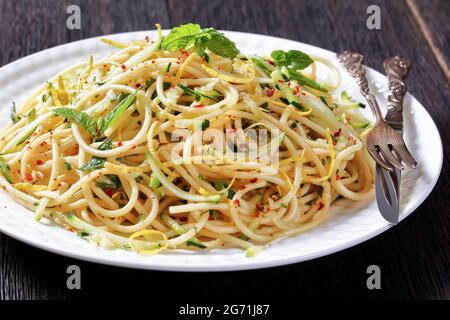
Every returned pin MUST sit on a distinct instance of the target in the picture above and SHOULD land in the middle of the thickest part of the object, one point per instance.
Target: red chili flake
(338, 177)
(242, 187)
(133, 147)
(120, 143)
(255, 215)
(337, 133)
(178, 62)
(334, 142)
(270, 92)
(253, 180)
(109, 191)
(259, 207)
(146, 38)
(198, 106)
(28, 177)
(280, 81)
(123, 67)
(271, 62)
(138, 85)
(321, 205)
(236, 202)
(183, 219)
(39, 162)
(153, 61)
(184, 53)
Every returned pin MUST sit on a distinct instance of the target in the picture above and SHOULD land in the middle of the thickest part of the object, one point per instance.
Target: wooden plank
(432, 18)
(33, 26)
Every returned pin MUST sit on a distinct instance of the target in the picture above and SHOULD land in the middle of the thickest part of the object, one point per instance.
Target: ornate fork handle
(353, 63)
(397, 69)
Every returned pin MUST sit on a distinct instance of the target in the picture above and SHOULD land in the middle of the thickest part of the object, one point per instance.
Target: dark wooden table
(414, 256)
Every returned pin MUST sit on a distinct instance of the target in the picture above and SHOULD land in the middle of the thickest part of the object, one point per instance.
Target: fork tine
(404, 154)
(389, 157)
(379, 160)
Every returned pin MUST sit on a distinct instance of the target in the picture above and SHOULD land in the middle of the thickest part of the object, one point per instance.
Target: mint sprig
(292, 59)
(191, 34)
(180, 37)
(289, 62)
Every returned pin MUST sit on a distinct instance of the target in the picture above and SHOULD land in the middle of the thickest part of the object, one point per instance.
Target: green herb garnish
(186, 35)
(79, 117)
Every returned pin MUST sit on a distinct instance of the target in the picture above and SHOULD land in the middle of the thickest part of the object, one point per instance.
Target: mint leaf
(96, 162)
(190, 34)
(93, 164)
(79, 117)
(105, 145)
(219, 44)
(180, 37)
(294, 59)
(200, 43)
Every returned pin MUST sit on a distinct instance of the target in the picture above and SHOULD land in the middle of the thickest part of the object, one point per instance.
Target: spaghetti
(93, 149)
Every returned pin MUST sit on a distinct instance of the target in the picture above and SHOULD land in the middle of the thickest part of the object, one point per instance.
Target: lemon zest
(146, 235)
(54, 95)
(62, 93)
(285, 177)
(228, 77)
(85, 74)
(30, 187)
(113, 43)
(182, 68)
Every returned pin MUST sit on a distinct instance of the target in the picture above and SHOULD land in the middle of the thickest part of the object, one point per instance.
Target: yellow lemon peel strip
(146, 234)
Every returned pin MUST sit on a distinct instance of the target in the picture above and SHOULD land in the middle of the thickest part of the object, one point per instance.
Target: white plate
(351, 223)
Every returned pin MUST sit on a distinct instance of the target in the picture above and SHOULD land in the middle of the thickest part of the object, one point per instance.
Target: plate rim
(283, 261)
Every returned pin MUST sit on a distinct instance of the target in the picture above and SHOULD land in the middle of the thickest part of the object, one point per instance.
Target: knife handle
(397, 69)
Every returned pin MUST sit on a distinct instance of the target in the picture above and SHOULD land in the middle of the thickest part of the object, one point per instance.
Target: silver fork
(384, 144)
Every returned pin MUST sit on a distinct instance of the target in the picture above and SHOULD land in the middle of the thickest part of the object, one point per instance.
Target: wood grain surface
(414, 256)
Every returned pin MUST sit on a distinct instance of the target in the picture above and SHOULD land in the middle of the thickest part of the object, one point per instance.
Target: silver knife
(387, 183)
